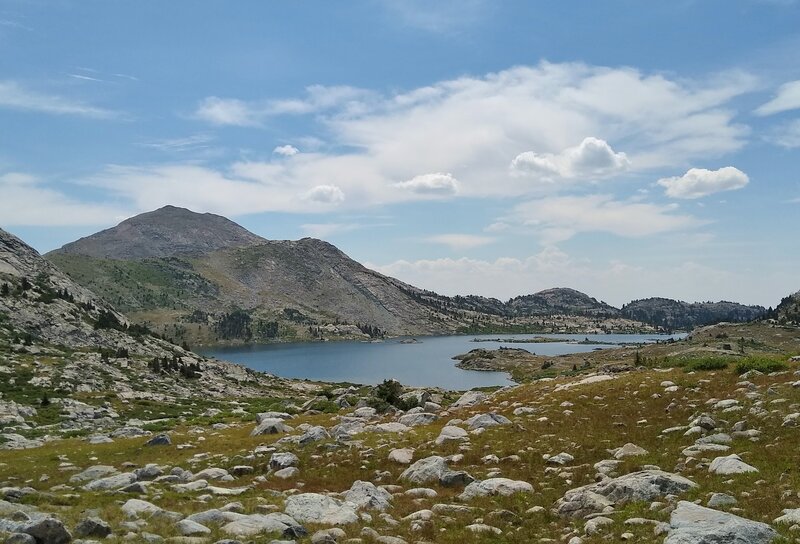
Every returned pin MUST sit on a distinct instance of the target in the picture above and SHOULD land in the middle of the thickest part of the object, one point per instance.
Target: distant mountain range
(204, 278)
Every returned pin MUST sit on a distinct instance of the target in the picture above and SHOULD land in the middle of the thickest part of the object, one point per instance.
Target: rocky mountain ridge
(204, 279)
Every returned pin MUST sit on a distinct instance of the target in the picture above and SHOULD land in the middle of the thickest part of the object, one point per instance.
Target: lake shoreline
(425, 363)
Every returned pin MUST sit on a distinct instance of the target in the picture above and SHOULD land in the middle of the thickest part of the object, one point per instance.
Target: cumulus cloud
(592, 159)
(326, 194)
(787, 98)
(286, 150)
(467, 126)
(699, 182)
(460, 241)
(431, 184)
(453, 138)
(556, 219)
(15, 96)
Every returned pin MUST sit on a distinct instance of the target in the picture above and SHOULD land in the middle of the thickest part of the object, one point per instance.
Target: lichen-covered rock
(694, 524)
(367, 495)
(645, 485)
(495, 486)
(317, 508)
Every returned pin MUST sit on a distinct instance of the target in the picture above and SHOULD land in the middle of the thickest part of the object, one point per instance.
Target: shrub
(704, 363)
(761, 364)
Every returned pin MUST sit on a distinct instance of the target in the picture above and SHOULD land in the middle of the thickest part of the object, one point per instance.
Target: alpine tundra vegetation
(399, 272)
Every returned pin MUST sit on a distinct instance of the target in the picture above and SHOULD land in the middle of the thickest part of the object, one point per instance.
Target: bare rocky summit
(166, 232)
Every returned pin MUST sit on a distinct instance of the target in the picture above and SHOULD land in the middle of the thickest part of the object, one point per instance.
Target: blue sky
(624, 148)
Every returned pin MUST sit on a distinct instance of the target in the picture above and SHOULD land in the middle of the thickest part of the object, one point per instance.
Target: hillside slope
(674, 314)
(788, 311)
(66, 339)
(201, 277)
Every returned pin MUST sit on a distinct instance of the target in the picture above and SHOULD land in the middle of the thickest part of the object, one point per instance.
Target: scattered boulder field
(651, 455)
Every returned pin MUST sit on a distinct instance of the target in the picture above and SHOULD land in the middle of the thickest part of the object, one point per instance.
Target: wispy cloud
(10, 23)
(442, 16)
(190, 143)
(317, 98)
(460, 241)
(787, 98)
(28, 201)
(15, 96)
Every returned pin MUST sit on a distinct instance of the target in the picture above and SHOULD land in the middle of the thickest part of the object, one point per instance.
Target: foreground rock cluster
(646, 456)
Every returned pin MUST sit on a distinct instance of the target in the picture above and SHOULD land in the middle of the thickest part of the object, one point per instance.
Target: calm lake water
(426, 364)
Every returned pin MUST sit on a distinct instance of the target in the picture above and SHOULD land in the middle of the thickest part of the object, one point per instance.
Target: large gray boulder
(694, 524)
(730, 464)
(368, 495)
(483, 421)
(417, 419)
(92, 527)
(256, 524)
(270, 426)
(470, 398)
(281, 460)
(645, 485)
(495, 486)
(135, 508)
(314, 434)
(316, 508)
(449, 433)
(46, 531)
(118, 481)
(435, 469)
(93, 473)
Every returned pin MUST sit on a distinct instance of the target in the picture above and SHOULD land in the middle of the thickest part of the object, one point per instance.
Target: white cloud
(26, 201)
(787, 98)
(461, 134)
(787, 135)
(442, 16)
(17, 97)
(460, 241)
(193, 143)
(327, 194)
(472, 127)
(226, 111)
(18, 178)
(592, 159)
(497, 226)
(286, 150)
(699, 182)
(318, 98)
(431, 184)
(556, 219)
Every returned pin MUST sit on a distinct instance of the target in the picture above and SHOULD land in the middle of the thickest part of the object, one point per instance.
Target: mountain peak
(165, 232)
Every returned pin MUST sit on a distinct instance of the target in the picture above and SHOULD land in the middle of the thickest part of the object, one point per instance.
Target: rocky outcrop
(646, 485)
(694, 524)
